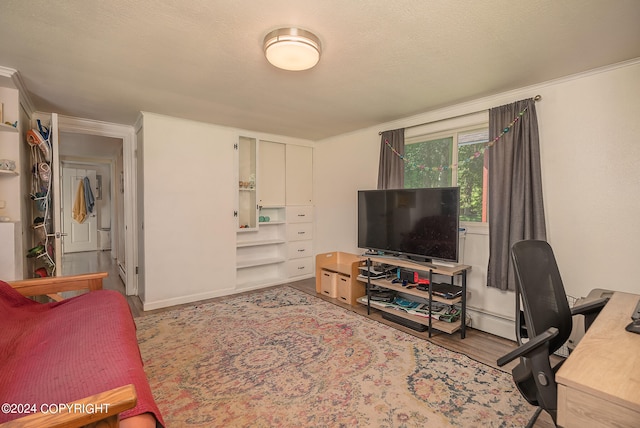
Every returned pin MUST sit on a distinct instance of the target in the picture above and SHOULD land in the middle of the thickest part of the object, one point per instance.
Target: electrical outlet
(3, 204)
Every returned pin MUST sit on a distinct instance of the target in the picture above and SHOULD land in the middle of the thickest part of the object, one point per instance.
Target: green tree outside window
(429, 163)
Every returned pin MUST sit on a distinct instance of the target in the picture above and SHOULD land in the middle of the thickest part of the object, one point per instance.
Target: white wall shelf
(258, 243)
(259, 262)
(279, 246)
(8, 128)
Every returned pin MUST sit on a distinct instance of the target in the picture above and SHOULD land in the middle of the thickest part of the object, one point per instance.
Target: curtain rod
(536, 98)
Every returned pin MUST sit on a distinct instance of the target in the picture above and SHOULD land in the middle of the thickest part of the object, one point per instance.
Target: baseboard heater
(405, 322)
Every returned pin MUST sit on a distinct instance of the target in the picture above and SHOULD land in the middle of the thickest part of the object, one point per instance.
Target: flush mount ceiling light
(292, 49)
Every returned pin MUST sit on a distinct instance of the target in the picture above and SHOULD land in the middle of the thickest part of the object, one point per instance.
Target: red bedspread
(61, 352)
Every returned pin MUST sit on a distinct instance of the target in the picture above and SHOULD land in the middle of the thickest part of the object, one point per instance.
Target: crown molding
(13, 76)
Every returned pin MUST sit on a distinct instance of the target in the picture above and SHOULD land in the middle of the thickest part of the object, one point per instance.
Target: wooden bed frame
(118, 399)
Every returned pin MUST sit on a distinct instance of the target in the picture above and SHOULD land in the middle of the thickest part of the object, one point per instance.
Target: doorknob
(58, 235)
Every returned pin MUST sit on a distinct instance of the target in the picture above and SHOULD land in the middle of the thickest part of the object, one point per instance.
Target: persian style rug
(283, 358)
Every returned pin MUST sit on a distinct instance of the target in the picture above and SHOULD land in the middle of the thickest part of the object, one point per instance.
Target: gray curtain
(391, 167)
(516, 210)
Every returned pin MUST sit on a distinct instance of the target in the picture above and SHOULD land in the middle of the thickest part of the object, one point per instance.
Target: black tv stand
(432, 323)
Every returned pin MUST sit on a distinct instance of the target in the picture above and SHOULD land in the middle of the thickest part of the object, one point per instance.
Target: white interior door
(79, 236)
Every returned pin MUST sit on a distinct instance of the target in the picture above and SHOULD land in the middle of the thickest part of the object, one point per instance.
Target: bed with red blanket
(70, 350)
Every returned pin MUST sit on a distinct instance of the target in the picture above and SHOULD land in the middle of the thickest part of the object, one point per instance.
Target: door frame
(126, 133)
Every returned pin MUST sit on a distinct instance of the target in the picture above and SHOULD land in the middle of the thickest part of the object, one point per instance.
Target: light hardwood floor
(100, 261)
(478, 345)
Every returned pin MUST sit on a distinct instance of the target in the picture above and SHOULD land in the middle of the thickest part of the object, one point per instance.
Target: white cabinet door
(247, 188)
(299, 174)
(271, 174)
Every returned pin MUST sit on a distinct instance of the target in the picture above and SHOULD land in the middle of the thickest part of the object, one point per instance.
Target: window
(455, 158)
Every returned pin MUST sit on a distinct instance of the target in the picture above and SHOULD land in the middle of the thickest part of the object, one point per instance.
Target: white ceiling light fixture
(292, 49)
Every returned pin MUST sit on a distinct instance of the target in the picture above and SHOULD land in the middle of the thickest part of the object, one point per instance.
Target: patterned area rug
(283, 358)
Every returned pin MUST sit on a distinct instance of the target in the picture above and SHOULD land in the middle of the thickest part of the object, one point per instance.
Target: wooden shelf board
(413, 291)
(440, 270)
(447, 327)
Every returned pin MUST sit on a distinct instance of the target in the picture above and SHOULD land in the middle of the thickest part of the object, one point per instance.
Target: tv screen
(420, 223)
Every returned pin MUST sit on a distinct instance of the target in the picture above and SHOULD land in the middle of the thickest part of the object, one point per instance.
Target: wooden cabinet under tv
(336, 274)
(451, 272)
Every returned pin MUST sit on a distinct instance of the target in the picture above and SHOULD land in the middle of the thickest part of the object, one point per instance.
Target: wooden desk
(599, 384)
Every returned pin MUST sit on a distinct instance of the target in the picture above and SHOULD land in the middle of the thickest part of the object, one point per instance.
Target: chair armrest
(58, 284)
(593, 306)
(87, 411)
(590, 310)
(531, 345)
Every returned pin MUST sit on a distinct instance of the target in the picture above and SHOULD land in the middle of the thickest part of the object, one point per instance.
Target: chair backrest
(543, 297)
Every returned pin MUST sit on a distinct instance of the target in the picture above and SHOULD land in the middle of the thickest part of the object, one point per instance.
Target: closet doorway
(99, 159)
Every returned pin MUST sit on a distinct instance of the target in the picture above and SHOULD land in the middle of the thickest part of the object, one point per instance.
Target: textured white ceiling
(382, 60)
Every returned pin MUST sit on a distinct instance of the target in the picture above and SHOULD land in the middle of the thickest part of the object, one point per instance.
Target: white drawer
(300, 267)
(299, 231)
(299, 249)
(300, 214)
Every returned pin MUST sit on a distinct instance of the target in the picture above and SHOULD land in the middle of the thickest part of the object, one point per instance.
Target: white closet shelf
(256, 243)
(259, 262)
(8, 128)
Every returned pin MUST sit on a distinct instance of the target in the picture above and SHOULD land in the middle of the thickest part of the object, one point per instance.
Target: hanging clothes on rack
(88, 195)
(80, 205)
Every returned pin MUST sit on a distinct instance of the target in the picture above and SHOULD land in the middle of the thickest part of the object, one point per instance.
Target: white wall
(10, 148)
(590, 150)
(189, 195)
(189, 234)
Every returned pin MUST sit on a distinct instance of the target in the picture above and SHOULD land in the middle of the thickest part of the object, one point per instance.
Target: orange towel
(79, 205)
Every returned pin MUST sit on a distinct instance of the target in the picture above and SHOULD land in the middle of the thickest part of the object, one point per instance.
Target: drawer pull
(301, 251)
(302, 215)
(301, 233)
(300, 267)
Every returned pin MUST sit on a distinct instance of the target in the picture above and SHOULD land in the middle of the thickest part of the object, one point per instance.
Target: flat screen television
(421, 224)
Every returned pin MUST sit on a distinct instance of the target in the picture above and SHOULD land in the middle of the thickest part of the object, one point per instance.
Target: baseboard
(492, 323)
(192, 298)
(164, 303)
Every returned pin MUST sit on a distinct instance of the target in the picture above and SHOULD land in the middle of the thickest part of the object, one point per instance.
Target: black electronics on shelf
(430, 319)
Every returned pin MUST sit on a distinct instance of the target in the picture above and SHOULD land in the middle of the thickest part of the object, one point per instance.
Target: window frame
(481, 227)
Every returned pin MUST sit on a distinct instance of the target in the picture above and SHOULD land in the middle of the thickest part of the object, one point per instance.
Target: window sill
(475, 228)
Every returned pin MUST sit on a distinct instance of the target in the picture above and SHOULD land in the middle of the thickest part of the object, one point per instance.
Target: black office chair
(547, 323)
